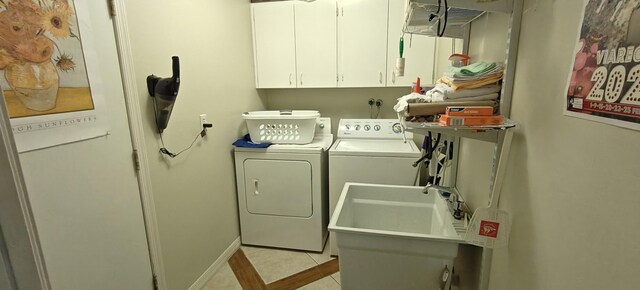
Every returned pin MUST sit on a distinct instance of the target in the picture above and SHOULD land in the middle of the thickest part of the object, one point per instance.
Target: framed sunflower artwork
(41, 58)
(49, 72)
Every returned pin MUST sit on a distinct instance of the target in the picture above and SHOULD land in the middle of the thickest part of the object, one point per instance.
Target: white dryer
(283, 193)
(370, 151)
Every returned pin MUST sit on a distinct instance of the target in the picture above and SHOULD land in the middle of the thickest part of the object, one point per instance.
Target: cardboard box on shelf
(469, 111)
(470, 120)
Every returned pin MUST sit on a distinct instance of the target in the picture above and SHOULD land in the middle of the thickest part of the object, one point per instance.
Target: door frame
(130, 87)
(26, 267)
(26, 260)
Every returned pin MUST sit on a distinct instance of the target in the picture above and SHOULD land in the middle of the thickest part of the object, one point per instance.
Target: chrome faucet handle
(441, 188)
(458, 211)
(457, 206)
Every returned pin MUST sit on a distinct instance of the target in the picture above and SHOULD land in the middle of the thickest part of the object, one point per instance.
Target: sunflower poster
(52, 94)
(604, 84)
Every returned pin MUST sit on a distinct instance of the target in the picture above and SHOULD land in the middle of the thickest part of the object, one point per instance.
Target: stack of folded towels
(472, 85)
(473, 76)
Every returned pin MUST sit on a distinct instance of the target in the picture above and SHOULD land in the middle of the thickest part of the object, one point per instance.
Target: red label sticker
(489, 229)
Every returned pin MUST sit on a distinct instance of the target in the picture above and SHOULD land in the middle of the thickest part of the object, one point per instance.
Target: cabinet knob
(301, 79)
(290, 78)
(393, 77)
(380, 77)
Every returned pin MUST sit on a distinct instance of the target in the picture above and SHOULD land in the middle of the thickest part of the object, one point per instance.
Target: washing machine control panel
(370, 129)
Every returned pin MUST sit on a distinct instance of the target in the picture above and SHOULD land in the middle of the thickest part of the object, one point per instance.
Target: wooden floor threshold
(244, 271)
(249, 278)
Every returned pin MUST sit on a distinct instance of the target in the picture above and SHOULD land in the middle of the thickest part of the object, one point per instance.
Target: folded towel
(403, 102)
(473, 69)
(246, 142)
(493, 72)
(439, 92)
(443, 93)
(465, 93)
(470, 84)
(488, 97)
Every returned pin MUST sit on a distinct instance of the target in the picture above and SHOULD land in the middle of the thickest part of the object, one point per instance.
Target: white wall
(571, 185)
(195, 195)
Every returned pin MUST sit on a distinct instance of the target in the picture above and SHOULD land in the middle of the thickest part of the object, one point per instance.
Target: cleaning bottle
(416, 88)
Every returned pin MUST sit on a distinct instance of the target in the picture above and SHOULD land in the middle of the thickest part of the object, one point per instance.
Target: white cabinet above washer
(362, 43)
(295, 44)
(316, 50)
(336, 43)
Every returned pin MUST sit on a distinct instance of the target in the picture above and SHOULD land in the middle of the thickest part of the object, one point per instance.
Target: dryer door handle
(255, 187)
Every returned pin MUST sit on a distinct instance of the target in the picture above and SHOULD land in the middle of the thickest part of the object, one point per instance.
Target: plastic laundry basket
(281, 127)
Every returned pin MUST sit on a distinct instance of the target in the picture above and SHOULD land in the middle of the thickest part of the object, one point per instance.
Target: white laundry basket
(281, 127)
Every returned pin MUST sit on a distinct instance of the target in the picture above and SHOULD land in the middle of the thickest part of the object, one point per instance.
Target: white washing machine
(283, 193)
(370, 151)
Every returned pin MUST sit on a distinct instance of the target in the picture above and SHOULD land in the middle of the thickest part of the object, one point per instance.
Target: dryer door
(278, 187)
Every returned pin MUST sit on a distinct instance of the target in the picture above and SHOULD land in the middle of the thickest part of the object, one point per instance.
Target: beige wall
(335, 103)
(195, 193)
(572, 185)
(488, 43)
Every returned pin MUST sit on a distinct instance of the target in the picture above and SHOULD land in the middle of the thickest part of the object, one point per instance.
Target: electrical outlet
(203, 120)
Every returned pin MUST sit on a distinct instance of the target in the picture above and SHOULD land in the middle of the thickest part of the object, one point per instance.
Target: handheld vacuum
(165, 91)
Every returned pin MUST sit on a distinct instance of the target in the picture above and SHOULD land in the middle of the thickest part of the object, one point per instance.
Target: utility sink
(394, 237)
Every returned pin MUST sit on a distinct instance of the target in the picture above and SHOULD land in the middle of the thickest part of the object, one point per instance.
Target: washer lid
(373, 147)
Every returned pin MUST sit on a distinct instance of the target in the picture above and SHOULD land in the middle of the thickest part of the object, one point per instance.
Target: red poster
(604, 84)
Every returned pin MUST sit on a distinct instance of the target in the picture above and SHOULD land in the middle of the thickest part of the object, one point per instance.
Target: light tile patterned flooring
(275, 264)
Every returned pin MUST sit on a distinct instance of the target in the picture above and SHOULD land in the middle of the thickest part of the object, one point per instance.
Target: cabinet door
(419, 51)
(362, 43)
(274, 44)
(316, 43)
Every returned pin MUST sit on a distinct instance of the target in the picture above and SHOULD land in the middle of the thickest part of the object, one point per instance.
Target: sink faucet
(439, 188)
(455, 204)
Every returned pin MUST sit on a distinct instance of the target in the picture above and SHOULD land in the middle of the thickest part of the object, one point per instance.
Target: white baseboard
(224, 257)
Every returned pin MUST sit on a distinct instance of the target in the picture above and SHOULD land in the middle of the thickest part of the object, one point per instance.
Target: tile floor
(274, 264)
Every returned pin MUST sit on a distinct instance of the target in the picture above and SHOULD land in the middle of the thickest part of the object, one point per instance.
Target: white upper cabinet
(336, 43)
(316, 48)
(274, 44)
(362, 43)
(419, 51)
(295, 44)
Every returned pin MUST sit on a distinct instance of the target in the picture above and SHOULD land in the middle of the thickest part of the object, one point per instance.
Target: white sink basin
(393, 237)
(392, 210)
